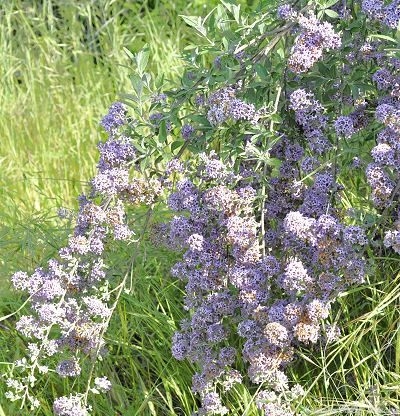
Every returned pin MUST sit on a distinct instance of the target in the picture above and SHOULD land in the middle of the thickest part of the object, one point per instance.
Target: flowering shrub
(251, 155)
(73, 299)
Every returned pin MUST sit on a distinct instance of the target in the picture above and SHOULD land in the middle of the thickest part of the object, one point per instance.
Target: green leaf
(176, 145)
(360, 89)
(162, 134)
(140, 148)
(129, 97)
(261, 71)
(137, 84)
(276, 118)
(379, 36)
(159, 159)
(142, 58)
(329, 3)
(202, 120)
(273, 162)
(225, 43)
(325, 70)
(232, 8)
(281, 52)
(331, 13)
(195, 22)
(130, 55)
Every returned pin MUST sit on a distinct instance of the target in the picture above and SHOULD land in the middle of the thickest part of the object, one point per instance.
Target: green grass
(61, 69)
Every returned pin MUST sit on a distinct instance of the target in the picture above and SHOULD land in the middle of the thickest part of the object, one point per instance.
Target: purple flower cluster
(383, 173)
(117, 155)
(115, 152)
(69, 406)
(159, 98)
(223, 105)
(156, 119)
(383, 78)
(211, 168)
(69, 298)
(322, 257)
(312, 256)
(218, 216)
(187, 131)
(276, 298)
(392, 237)
(276, 405)
(286, 12)
(310, 116)
(388, 14)
(381, 184)
(364, 51)
(314, 38)
(344, 126)
(115, 118)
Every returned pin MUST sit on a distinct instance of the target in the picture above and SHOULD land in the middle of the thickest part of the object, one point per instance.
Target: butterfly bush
(274, 301)
(251, 153)
(383, 173)
(71, 298)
